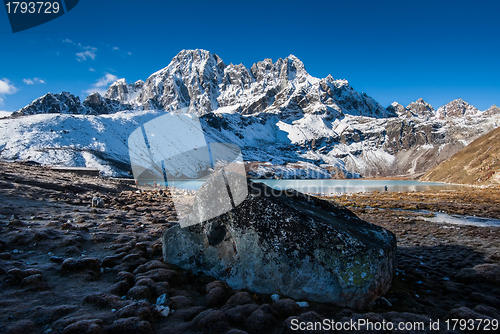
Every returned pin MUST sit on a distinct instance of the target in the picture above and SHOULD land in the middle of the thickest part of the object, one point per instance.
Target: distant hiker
(385, 188)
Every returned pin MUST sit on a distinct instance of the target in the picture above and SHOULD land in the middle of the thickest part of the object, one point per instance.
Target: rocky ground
(67, 267)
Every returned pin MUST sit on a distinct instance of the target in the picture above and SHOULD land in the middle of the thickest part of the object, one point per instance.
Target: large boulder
(288, 243)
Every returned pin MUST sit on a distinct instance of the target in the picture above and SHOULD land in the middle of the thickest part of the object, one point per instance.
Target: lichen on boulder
(288, 243)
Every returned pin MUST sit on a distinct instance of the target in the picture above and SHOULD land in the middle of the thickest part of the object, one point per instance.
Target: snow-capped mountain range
(289, 122)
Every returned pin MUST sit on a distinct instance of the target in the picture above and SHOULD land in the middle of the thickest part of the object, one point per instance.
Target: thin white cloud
(90, 52)
(34, 81)
(91, 69)
(102, 84)
(116, 48)
(87, 52)
(130, 53)
(106, 80)
(6, 88)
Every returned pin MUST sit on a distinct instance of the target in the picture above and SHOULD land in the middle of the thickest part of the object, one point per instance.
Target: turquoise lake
(337, 187)
(355, 185)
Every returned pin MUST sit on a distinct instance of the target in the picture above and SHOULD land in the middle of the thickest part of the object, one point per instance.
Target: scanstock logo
(204, 179)
(28, 14)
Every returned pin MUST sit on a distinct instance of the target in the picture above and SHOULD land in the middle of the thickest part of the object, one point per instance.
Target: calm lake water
(355, 185)
(337, 187)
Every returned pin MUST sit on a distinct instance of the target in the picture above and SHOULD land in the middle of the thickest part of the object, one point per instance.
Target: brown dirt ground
(46, 218)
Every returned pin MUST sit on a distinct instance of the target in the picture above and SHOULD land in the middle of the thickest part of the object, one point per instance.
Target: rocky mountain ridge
(275, 112)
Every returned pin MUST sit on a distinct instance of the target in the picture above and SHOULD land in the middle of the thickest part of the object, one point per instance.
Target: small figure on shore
(385, 188)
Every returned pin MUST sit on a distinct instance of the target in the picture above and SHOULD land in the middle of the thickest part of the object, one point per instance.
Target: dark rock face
(289, 243)
(64, 103)
(98, 105)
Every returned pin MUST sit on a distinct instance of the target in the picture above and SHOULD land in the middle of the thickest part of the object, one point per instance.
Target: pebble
(303, 304)
(97, 202)
(275, 297)
(163, 310)
(286, 307)
(139, 292)
(211, 322)
(130, 325)
(163, 300)
(259, 321)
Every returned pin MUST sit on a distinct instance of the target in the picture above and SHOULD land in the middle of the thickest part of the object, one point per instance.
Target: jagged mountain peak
(53, 103)
(493, 110)
(456, 108)
(191, 59)
(420, 108)
(121, 81)
(398, 109)
(124, 93)
(200, 80)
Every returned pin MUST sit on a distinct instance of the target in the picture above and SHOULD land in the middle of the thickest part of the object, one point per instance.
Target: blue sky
(392, 50)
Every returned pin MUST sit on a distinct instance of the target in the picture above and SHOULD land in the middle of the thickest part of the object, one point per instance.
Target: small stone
(67, 226)
(216, 297)
(161, 275)
(286, 307)
(215, 284)
(259, 321)
(56, 259)
(130, 325)
(211, 322)
(84, 327)
(146, 281)
(15, 276)
(240, 298)
(125, 276)
(71, 265)
(164, 311)
(34, 283)
(490, 272)
(139, 292)
(97, 202)
(275, 297)
(119, 288)
(303, 304)
(163, 300)
(238, 315)
(16, 223)
(155, 264)
(139, 309)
